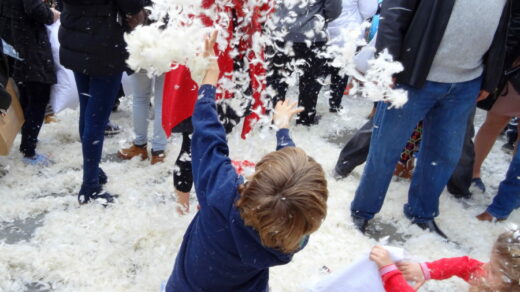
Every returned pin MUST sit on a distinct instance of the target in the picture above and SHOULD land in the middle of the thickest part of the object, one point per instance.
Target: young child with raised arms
(501, 274)
(245, 227)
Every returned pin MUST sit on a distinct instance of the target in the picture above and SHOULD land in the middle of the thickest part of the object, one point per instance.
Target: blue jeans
(444, 109)
(97, 95)
(142, 88)
(508, 197)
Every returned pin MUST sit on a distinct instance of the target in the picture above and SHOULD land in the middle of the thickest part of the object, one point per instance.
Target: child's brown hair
(504, 264)
(285, 199)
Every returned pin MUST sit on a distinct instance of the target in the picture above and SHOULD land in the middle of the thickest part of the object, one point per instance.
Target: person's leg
(182, 175)
(142, 88)
(444, 129)
(83, 86)
(102, 91)
(159, 139)
(35, 99)
(278, 72)
(392, 128)
(486, 137)
(309, 85)
(356, 151)
(508, 196)
(338, 84)
(460, 180)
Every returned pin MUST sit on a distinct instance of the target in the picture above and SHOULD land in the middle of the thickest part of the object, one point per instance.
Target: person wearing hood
(244, 228)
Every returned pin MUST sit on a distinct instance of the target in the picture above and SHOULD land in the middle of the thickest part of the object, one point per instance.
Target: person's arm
(210, 162)
(393, 280)
(462, 267)
(38, 11)
(367, 8)
(332, 9)
(396, 16)
(283, 113)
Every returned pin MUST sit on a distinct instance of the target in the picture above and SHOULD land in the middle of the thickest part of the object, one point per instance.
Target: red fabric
(242, 167)
(178, 104)
(179, 97)
(395, 282)
(462, 267)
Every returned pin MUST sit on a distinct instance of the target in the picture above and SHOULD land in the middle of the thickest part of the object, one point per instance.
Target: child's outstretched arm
(283, 112)
(210, 161)
(393, 279)
(465, 268)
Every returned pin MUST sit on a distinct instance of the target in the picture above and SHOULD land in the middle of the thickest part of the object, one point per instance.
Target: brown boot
(133, 151)
(158, 157)
(488, 217)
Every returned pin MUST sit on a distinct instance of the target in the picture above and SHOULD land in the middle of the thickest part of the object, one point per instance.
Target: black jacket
(91, 37)
(5, 98)
(412, 31)
(27, 20)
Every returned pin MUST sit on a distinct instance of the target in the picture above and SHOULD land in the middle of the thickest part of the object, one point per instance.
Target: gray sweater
(304, 20)
(468, 36)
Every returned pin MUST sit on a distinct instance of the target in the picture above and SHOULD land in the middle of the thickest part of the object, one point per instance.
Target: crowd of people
(453, 63)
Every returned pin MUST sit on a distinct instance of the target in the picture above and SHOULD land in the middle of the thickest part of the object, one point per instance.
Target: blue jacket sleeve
(212, 168)
(283, 139)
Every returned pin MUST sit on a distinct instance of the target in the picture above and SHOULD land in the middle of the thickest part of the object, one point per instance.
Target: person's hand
(283, 112)
(412, 272)
(55, 15)
(212, 69)
(483, 95)
(380, 256)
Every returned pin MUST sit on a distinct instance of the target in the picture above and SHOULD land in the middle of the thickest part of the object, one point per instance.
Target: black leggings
(34, 97)
(182, 173)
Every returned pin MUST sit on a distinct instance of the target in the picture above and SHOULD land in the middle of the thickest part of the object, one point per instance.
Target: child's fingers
(297, 110)
(213, 37)
(293, 104)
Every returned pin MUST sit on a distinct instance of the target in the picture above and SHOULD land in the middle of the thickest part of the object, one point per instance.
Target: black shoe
(432, 227)
(335, 109)
(360, 223)
(112, 129)
(88, 194)
(103, 179)
(337, 175)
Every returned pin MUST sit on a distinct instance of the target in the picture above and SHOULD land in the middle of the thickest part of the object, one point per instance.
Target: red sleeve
(462, 267)
(395, 282)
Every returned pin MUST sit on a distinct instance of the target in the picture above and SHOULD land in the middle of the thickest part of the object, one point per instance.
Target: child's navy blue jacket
(219, 253)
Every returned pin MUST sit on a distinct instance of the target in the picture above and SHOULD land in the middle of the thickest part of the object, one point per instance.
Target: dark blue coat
(220, 253)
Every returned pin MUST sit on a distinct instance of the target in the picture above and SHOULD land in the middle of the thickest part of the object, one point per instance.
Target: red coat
(462, 267)
(180, 92)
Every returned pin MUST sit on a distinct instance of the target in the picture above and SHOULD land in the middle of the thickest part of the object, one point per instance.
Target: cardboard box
(11, 124)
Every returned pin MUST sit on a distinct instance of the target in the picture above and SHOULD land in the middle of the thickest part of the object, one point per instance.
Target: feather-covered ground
(48, 242)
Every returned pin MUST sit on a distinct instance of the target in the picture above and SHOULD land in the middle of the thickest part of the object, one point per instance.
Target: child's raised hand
(412, 272)
(212, 69)
(380, 256)
(283, 112)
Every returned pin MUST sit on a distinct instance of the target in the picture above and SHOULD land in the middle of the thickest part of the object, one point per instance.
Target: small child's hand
(381, 256)
(212, 70)
(411, 271)
(283, 113)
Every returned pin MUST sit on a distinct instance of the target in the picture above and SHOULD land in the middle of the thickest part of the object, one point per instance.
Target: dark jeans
(444, 109)
(312, 68)
(96, 98)
(34, 97)
(460, 180)
(338, 84)
(508, 197)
